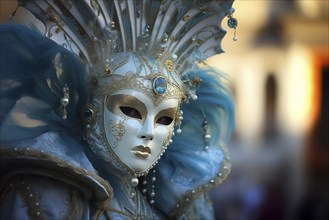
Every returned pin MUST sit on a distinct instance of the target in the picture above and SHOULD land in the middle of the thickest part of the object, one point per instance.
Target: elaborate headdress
(179, 34)
(169, 39)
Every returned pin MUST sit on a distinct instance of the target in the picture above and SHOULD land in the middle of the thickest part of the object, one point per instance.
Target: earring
(205, 128)
(179, 121)
(65, 100)
(232, 22)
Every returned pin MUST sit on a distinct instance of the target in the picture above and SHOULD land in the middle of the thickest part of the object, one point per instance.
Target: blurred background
(279, 74)
(279, 70)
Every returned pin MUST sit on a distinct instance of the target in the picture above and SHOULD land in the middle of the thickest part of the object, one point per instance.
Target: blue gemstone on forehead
(160, 85)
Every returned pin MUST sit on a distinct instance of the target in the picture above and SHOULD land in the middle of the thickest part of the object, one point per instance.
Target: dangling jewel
(65, 100)
(205, 128)
(232, 22)
(153, 189)
(160, 85)
(179, 121)
(144, 190)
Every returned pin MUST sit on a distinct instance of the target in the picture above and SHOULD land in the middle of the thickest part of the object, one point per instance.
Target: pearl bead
(134, 181)
(179, 131)
(64, 101)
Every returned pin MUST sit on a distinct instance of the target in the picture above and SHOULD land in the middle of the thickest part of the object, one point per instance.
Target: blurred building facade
(279, 76)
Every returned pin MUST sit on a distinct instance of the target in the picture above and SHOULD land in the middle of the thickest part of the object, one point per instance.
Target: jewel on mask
(160, 85)
(88, 114)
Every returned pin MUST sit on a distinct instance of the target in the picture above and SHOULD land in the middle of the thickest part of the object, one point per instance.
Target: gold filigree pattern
(169, 64)
(117, 130)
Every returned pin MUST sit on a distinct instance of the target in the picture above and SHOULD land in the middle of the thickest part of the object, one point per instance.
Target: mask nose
(147, 130)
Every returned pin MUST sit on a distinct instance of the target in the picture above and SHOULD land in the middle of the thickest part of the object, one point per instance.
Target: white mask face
(136, 129)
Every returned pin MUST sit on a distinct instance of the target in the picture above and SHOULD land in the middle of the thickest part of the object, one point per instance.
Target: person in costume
(107, 114)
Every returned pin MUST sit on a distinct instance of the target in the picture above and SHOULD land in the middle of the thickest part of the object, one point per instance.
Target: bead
(65, 101)
(31, 195)
(28, 188)
(194, 97)
(170, 141)
(152, 202)
(207, 136)
(235, 38)
(132, 194)
(64, 117)
(152, 194)
(153, 179)
(38, 213)
(37, 204)
(144, 190)
(206, 147)
(193, 192)
(160, 85)
(212, 181)
(179, 131)
(15, 149)
(144, 182)
(134, 181)
(177, 206)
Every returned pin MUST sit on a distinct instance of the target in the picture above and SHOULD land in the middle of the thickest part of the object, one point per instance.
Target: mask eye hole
(131, 112)
(164, 120)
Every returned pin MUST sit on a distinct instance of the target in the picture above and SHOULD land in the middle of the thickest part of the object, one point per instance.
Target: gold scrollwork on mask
(117, 130)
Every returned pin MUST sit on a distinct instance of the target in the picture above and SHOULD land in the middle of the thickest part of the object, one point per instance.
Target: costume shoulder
(52, 166)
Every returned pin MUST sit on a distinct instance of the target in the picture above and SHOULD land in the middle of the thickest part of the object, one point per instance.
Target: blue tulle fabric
(187, 165)
(31, 87)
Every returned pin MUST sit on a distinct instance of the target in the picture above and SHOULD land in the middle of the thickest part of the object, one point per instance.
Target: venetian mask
(139, 104)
